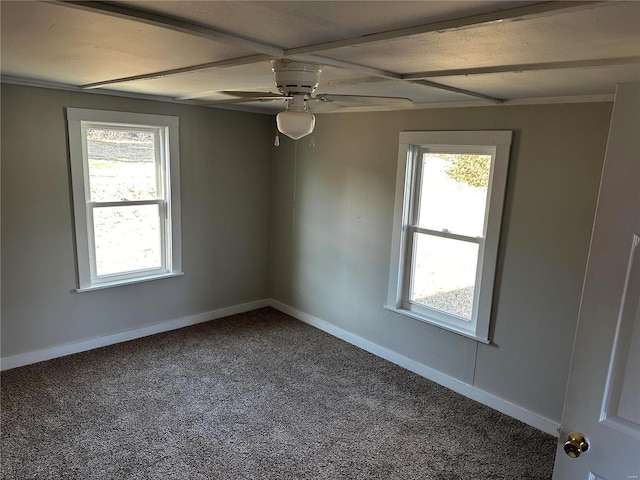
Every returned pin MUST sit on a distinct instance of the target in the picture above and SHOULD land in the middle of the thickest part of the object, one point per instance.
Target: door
(603, 394)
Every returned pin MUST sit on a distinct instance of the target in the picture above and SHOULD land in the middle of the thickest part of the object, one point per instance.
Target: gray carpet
(253, 396)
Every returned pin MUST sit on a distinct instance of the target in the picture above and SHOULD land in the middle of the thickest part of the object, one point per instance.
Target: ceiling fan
(296, 83)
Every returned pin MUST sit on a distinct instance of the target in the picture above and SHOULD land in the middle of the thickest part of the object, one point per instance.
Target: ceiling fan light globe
(295, 125)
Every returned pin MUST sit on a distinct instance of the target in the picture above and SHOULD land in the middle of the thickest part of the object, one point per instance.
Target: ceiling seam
(526, 67)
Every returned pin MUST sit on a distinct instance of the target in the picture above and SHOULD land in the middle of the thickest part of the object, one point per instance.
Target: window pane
(444, 274)
(127, 238)
(122, 165)
(454, 193)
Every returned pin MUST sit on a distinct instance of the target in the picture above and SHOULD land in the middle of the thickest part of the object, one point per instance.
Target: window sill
(431, 321)
(118, 283)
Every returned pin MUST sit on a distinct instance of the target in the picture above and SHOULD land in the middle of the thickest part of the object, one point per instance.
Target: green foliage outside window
(470, 169)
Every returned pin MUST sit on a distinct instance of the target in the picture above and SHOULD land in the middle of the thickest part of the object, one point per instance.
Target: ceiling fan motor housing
(295, 77)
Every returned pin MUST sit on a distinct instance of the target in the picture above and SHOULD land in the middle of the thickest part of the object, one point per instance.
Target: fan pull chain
(276, 142)
(312, 143)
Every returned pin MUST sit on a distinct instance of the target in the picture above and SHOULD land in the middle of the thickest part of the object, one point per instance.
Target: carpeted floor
(253, 396)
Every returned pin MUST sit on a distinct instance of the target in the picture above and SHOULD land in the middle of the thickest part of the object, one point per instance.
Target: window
(449, 195)
(125, 174)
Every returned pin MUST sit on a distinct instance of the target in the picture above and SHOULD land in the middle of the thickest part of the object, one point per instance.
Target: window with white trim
(448, 210)
(125, 173)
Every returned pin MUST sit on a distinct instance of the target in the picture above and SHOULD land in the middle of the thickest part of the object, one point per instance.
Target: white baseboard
(28, 358)
(470, 391)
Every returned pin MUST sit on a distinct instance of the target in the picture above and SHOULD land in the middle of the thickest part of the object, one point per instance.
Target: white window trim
(410, 144)
(167, 126)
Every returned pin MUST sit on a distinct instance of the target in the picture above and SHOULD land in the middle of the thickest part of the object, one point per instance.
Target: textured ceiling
(434, 53)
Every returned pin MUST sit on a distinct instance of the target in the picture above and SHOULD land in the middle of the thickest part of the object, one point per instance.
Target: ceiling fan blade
(232, 93)
(364, 100)
(241, 97)
(318, 106)
(239, 93)
(239, 100)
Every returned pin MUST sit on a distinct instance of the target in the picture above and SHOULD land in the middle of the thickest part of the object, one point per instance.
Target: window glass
(453, 196)
(122, 165)
(444, 274)
(127, 239)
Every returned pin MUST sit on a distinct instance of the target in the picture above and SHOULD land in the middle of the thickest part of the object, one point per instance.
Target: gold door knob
(575, 445)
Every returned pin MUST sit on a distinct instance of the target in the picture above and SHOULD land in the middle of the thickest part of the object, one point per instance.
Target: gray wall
(225, 174)
(332, 209)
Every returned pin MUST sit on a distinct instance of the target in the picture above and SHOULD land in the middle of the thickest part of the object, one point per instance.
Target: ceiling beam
(178, 71)
(233, 62)
(175, 24)
(527, 67)
(526, 12)
(461, 91)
